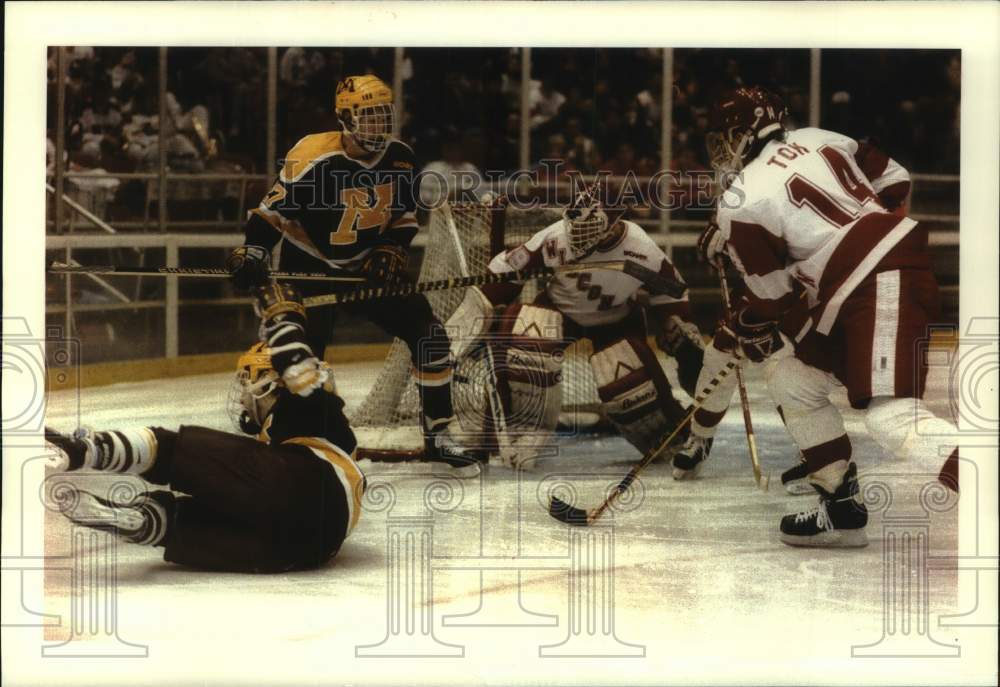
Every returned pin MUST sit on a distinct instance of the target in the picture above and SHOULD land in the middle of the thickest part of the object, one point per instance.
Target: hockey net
(461, 240)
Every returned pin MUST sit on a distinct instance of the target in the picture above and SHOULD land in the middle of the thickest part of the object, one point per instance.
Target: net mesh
(459, 243)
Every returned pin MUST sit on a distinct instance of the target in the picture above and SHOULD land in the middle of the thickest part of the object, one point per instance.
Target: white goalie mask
(586, 223)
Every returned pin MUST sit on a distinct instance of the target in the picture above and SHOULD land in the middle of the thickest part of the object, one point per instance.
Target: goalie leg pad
(531, 345)
(635, 392)
(470, 320)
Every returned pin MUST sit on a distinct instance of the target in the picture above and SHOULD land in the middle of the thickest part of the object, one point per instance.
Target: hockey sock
(131, 451)
(830, 476)
(434, 384)
(159, 471)
(709, 415)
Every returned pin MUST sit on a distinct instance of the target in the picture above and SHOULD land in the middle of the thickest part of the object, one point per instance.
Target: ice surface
(691, 582)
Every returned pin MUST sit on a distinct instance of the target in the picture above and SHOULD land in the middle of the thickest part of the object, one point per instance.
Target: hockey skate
(143, 521)
(442, 448)
(794, 479)
(689, 460)
(838, 521)
(81, 450)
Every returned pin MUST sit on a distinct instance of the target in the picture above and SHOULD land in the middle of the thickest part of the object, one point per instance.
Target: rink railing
(173, 243)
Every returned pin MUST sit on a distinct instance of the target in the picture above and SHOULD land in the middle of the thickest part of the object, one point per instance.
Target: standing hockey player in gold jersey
(346, 201)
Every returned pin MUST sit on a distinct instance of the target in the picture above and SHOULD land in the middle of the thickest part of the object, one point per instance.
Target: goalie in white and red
(815, 213)
(601, 305)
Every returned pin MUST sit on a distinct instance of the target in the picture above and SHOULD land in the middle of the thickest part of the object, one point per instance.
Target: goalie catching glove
(282, 327)
(385, 264)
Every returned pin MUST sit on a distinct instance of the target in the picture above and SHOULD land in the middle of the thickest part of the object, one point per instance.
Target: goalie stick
(200, 272)
(657, 283)
(571, 515)
(763, 481)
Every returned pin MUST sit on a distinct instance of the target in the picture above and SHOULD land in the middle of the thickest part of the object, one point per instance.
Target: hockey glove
(305, 376)
(249, 266)
(712, 244)
(758, 340)
(385, 264)
(682, 341)
(283, 328)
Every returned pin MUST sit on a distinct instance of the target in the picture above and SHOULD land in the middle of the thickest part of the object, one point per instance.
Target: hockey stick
(658, 282)
(564, 512)
(199, 272)
(763, 481)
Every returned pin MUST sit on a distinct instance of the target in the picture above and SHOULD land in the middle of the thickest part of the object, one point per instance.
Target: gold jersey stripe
(310, 151)
(347, 470)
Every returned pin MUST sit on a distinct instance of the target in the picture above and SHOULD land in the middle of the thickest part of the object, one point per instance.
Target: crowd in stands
(591, 109)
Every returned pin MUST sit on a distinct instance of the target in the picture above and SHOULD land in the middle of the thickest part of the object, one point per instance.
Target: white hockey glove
(712, 244)
(306, 376)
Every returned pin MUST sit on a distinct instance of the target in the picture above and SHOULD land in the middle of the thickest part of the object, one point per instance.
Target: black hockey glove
(758, 340)
(385, 264)
(682, 341)
(249, 266)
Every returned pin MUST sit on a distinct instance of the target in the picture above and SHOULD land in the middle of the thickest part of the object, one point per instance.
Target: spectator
(453, 176)
(545, 102)
(583, 152)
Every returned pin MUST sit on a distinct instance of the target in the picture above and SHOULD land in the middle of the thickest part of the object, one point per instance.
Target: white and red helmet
(740, 123)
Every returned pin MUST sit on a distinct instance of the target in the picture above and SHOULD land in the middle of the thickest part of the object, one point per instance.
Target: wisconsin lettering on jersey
(337, 208)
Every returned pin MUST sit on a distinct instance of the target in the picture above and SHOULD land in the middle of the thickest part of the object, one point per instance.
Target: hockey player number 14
(802, 192)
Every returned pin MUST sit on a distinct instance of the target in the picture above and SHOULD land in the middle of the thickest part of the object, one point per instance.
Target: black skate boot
(838, 521)
(691, 457)
(144, 521)
(440, 447)
(81, 450)
(794, 479)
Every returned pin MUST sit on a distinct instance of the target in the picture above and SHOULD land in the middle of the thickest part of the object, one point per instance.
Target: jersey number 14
(802, 192)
